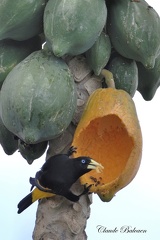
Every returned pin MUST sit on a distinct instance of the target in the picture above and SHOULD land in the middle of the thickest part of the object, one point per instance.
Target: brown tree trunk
(57, 218)
(60, 219)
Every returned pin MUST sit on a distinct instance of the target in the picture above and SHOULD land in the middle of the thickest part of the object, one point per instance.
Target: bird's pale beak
(95, 165)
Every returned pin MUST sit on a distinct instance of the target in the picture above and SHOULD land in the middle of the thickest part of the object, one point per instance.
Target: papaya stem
(109, 80)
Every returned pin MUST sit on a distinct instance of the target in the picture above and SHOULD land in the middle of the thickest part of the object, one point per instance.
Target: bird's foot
(71, 150)
(86, 190)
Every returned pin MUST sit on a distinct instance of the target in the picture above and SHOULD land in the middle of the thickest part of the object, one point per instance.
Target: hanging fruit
(148, 79)
(30, 152)
(38, 98)
(72, 27)
(21, 20)
(109, 132)
(133, 27)
(98, 55)
(7, 140)
(12, 52)
(125, 73)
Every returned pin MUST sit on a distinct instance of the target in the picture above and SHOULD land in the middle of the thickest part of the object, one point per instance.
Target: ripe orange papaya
(109, 132)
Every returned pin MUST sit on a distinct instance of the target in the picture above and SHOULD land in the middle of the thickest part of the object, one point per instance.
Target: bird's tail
(31, 198)
(25, 203)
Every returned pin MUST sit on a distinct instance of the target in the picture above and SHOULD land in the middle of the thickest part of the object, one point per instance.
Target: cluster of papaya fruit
(38, 94)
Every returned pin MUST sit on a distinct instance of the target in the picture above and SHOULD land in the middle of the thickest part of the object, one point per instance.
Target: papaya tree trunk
(58, 218)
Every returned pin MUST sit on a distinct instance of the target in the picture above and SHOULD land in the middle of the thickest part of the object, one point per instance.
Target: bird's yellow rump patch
(37, 194)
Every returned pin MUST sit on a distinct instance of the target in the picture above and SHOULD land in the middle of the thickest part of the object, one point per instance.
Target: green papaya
(31, 152)
(12, 52)
(71, 27)
(148, 79)
(38, 98)
(125, 73)
(98, 55)
(133, 27)
(21, 20)
(7, 140)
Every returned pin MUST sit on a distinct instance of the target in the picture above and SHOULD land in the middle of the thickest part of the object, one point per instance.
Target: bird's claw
(87, 188)
(71, 150)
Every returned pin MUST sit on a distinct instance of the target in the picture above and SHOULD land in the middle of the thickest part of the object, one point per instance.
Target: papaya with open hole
(110, 133)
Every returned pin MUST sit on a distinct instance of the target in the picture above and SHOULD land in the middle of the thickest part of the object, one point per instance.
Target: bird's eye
(83, 161)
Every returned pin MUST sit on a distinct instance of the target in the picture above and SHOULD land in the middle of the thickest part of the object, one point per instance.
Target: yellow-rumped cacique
(56, 177)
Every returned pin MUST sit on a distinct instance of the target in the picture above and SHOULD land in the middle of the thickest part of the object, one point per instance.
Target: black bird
(56, 176)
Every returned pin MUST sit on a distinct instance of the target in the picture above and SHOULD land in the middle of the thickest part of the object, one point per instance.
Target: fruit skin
(21, 20)
(98, 55)
(68, 25)
(125, 73)
(33, 104)
(30, 152)
(109, 132)
(133, 27)
(12, 52)
(148, 79)
(7, 140)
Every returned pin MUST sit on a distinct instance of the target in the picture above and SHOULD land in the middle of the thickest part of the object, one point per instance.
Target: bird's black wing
(35, 183)
(32, 182)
